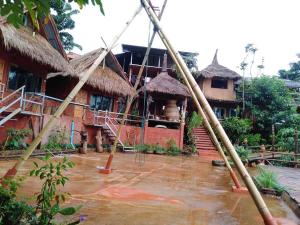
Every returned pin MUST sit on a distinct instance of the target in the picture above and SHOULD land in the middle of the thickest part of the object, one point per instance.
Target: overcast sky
(203, 26)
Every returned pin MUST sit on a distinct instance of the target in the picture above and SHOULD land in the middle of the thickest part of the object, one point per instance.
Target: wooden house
(26, 57)
(218, 85)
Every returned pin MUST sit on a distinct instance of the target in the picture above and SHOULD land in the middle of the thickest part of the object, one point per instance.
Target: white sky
(202, 26)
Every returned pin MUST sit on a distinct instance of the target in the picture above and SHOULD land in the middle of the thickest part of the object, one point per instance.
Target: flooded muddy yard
(161, 190)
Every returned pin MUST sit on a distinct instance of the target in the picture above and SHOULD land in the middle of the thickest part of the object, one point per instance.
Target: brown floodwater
(160, 190)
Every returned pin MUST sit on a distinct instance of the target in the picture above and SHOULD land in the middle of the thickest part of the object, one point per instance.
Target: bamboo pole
(206, 123)
(260, 204)
(84, 77)
(132, 96)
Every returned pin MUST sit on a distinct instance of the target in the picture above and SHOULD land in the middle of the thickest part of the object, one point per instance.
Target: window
(220, 112)
(101, 102)
(19, 77)
(215, 83)
(232, 112)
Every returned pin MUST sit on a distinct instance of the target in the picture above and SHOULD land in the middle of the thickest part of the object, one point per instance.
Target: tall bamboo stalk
(260, 204)
(133, 94)
(84, 77)
(206, 122)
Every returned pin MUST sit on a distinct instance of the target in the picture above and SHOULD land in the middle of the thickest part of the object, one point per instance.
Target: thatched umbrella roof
(32, 45)
(107, 77)
(165, 84)
(218, 71)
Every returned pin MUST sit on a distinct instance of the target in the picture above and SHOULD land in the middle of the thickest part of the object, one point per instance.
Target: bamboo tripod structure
(131, 97)
(260, 203)
(207, 124)
(84, 77)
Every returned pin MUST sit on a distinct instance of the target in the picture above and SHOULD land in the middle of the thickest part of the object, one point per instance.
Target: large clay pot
(171, 111)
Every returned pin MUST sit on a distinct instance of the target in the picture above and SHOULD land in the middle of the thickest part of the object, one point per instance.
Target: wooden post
(83, 78)
(259, 201)
(296, 146)
(99, 147)
(84, 142)
(273, 137)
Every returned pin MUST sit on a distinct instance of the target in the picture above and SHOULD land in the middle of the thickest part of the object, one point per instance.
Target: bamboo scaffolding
(259, 202)
(84, 77)
(132, 96)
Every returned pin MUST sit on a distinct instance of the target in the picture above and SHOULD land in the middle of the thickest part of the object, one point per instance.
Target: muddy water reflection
(164, 190)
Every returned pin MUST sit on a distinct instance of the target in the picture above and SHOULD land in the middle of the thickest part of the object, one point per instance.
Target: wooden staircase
(202, 140)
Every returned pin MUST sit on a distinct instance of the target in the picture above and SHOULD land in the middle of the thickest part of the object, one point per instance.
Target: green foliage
(38, 10)
(172, 148)
(48, 203)
(293, 73)
(242, 152)
(252, 139)
(58, 141)
(12, 211)
(64, 22)
(285, 139)
(48, 199)
(286, 161)
(15, 139)
(156, 148)
(268, 179)
(194, 121)
(270, 102)
(236, 128)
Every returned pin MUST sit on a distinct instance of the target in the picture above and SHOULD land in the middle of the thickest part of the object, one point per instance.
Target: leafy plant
(242, 152)
(268, 179)
(285, 139)
(252, 139)
(48, 200)
(57, 141)
(285, 160)
(172, 148)
(12, 211)
(236, 128)
(64, 22)
(15, 139)
(194, 121)
(38, 10)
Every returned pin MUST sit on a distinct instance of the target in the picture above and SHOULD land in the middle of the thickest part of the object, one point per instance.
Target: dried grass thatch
(34, 46)
(218, 71)
(106, 78)
(165, 84)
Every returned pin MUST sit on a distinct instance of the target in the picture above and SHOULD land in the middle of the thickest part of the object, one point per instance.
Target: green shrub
(285, 139)
(172, 148)
(268, 179)
(285, 161)
(142, 148)
(242, 152)
(158, 149)
(57, 141)
(194, 121)
(253, 139)
(236, 128)
(15, 139)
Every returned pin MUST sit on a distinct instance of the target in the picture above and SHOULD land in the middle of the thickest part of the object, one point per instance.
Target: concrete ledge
(291, 202)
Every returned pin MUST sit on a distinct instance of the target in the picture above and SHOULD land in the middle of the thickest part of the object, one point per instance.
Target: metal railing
(19, 99)
(2, 90)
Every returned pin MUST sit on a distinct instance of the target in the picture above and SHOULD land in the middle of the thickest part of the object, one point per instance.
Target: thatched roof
(165, 84)
(107, 77)
(31, 45)
(218, 71)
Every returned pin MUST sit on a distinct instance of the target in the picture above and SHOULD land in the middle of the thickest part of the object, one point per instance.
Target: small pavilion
(166, 100)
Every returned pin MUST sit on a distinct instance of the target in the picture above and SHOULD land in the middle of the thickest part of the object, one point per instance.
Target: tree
(64, 21)
(293, 73)
(270, 102)
(37, 9)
